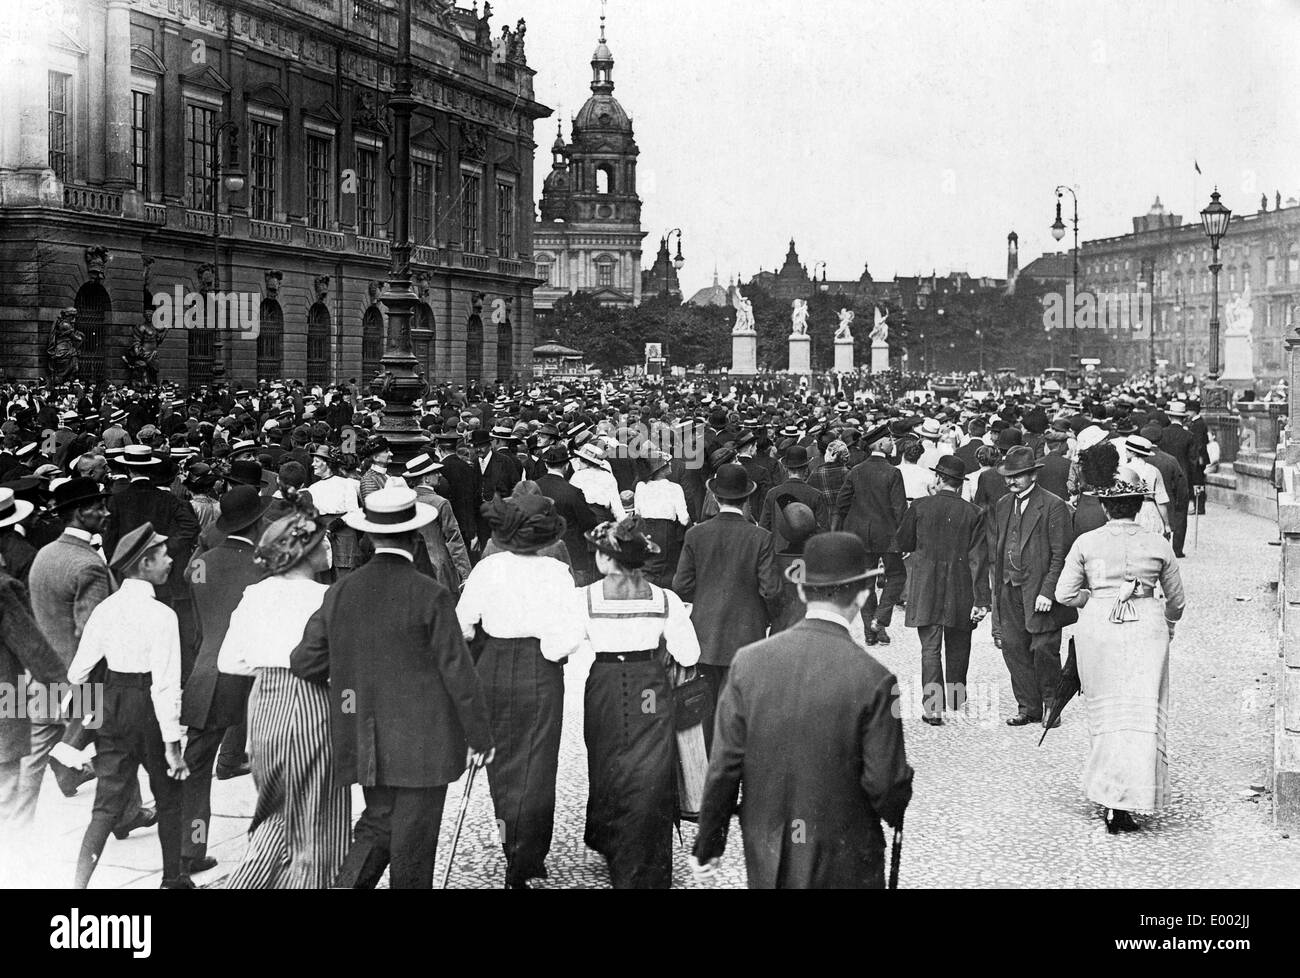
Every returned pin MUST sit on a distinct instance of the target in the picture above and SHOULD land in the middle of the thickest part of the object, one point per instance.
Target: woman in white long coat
(1122, 643)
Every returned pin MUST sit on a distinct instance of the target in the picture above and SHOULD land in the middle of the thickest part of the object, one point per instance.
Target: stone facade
(120, 105)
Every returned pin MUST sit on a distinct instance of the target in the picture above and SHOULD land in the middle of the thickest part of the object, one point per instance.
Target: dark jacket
(871, 504)
(572, 505)
(726, 571)
(1054, 476)
(1176, 484)
(1045, 538)
(947, 574)
(142, 502)
(1177, 441)
(463, 493)
(217, 579)
(404, 697)
(769, 519)
(807, 722)
(22, 649)
(989, 488)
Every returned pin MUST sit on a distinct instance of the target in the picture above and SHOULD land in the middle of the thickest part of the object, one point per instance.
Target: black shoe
(226, 773)
(882, 636)
(1020, 720)
(200, 865)
(871, 635)
(181, 882)
(143, 819)
(1179, 554)
(933, 721)
(69, 779)
(1118, 820)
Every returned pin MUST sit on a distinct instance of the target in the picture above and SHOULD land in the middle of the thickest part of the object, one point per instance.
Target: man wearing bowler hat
(138, 637)
(796, 461)
(462, 485)
(808, 723)
(727, 572)
(947, 585)
(571, 504)
(1028, 536)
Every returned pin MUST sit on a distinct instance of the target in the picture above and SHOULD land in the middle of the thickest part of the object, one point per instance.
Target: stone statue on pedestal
(799, 318)
(64, 347)
(140, 358)
(880, 332)
(744, 314)
(843, 332)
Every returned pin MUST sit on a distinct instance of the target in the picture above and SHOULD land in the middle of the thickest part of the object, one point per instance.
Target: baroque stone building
(588, 238)
(121, 114)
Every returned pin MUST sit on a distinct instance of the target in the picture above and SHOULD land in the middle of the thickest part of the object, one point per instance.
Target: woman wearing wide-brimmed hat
(519, 611)
(628, 707)
(1122, 640)
(300, 828)
(592, 474)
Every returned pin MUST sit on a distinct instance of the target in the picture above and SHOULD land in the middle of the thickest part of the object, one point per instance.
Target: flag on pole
(1197, 165)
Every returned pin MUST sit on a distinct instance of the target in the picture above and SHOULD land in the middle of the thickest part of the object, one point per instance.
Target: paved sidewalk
(991, 809)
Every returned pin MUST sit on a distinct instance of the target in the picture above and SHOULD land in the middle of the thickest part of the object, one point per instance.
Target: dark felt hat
(832, 559)
(732, 482)
(1019, 461)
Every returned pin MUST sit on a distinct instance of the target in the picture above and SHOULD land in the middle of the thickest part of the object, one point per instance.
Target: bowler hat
(245, 472)
(555, 456)
(77, 492)
(732, 482)
(1019, 461)
(800, 523)
(832, 559)
(950, 466)
(241, 507)
(796, 457)
(479, 438)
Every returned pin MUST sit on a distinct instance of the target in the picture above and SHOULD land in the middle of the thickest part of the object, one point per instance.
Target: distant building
(712, 295)
(551, 360)
(660, 279)
(588, 238)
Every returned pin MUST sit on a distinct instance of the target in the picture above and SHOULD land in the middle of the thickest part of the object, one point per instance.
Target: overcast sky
(914, 134)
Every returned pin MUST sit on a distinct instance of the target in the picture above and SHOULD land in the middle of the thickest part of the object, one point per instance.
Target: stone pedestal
(744, 353)
(844, 357)
(800, 354)
(1238, 361)
(879, 357)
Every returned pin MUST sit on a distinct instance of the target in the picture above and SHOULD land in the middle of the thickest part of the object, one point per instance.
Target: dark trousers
(196, 791)
(398, 829)
(234, 744)
(1032, 658)
(717, 678)
(942, 692)
(890, 584)
(128, 739)
(1178, 526)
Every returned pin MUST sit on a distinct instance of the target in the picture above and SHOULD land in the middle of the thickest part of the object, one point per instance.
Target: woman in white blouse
(662, 504)
(300, 828)
(628, 708)
(518, 613)
(593, 476)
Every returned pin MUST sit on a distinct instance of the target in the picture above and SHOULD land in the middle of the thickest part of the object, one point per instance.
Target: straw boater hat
(1176, 409)
(391, 510)
(139, 457)
(12, 509)
(589, 452)
(626, 541)
(1138, 445)
(421, 466)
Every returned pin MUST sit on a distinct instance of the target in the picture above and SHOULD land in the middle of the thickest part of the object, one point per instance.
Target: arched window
(505, 352)
(270, 341)
(198, 356)
(372, 342)
(474, 348)
(93, 311)
(604, 179)
(318, 344)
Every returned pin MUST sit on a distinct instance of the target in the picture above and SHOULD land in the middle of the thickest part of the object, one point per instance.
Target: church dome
(603, 112)
(712, 295)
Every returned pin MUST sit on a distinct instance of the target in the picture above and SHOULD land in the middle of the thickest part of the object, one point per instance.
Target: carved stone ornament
(271, 279)
(473, 142)
(97, 258)
(321, 287)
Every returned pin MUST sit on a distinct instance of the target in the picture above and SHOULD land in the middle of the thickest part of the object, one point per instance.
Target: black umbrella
(1065, 690)
(896, 855)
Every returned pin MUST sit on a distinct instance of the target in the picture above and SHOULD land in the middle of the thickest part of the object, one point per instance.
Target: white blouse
(523, 596)
(637, 624)
(268, 624)
(600, 488)
(661, 500)
(335, 496)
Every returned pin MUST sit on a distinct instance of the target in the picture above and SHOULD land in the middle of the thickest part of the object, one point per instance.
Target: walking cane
(460, 823)
(1196, 497)
(896, 856)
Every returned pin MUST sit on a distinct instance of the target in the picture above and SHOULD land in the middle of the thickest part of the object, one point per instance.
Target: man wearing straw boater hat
(727, 572)
(1028, 536)
(406, 707)
(808, 723)
(138, 637)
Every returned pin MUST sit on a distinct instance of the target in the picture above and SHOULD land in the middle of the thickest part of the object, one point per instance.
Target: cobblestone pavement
(991, 808)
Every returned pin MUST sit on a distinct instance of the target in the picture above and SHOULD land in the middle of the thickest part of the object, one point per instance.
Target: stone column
(800, 354)
(844, 356)
(744, 353)
(117, 95)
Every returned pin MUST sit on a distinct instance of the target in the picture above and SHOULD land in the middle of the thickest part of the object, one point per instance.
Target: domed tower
(555, 188)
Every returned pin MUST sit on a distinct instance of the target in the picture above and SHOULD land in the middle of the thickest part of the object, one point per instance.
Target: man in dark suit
(213, 702)
(947, 585)
(795, 461)
(1177, 441)
(871, 503)
(1201, 441)
(1028, 538)
(462, 484)
(142, 501)
(746, 446)
(497, 474)
(407, 711)
(1054, 476)
(1176, 485)
(728, 575)
(809, 724)
(569, 503)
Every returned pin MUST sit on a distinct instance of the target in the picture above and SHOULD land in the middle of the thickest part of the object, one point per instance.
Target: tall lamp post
(1214, 219)
(678, 260)
(399, 382)
(1058, 232)
(231, 177)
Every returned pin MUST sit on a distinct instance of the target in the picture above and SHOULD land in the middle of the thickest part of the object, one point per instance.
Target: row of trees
(945, 336)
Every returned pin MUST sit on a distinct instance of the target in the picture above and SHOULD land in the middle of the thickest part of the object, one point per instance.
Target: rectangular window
(141, 104)
(1270, 271)
(59, 105)
(605, 275)
(506, 220)
(261, 170)
(469, 211)
(423, 194)
(319, 183)
(367, 192)
(200, 138)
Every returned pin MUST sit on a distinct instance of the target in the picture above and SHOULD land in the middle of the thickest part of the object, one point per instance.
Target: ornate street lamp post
(1215, 218)
(399, 382)
(678, 260)
(1058, 232)
(231, 177)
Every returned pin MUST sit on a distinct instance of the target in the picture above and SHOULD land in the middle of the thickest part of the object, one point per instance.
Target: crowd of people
(257, 584)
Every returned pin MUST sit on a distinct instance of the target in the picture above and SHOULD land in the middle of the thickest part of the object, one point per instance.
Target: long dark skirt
(525, 696)
(628, 727)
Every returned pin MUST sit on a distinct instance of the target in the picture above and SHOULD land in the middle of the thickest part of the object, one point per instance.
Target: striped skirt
(300, 829)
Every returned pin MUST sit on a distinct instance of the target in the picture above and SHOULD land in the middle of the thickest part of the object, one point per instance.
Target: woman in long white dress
(301, 825)
(1111, 575)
